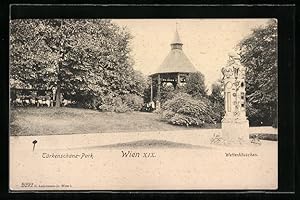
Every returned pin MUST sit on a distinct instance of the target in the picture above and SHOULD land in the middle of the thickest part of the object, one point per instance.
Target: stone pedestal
(235, 130)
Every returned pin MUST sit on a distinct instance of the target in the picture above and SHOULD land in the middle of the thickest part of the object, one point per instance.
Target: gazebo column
(151, 86)
(158, 92)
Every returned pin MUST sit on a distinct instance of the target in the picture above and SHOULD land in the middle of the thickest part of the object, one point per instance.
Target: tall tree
(195, 85)
(259, 55)
(83, 58)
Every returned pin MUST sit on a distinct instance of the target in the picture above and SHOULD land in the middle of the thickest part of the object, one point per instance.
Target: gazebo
(174, 69)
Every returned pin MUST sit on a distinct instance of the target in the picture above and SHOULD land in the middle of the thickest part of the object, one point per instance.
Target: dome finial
(176, 43)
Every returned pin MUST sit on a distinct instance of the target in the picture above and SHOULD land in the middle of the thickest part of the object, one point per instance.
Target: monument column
(235, 126)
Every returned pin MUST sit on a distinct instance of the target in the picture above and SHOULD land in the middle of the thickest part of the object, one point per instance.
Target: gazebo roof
(176, 61)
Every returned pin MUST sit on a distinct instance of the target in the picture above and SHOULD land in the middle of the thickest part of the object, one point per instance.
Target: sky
(206, 42)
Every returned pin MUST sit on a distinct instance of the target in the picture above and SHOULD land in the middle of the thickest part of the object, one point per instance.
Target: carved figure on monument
(235, 126)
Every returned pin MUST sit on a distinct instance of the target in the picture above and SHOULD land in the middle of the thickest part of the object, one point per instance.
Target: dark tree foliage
(147, 90)
(217, 99)
(85, 59)
(259, 55)
(195, 85)
(217, 90)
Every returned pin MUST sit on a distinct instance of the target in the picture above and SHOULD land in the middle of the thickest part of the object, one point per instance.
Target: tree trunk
(58, 89)
(58, 95)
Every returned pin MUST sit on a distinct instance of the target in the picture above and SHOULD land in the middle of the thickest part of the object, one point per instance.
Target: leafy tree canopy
(195, 85)
(259, 55)
(80, 57)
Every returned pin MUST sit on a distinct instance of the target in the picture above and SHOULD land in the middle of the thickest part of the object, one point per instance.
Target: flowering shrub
(185, 120)
(184, 110)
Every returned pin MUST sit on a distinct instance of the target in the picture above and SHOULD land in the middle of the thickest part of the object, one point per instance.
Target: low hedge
(264, 136)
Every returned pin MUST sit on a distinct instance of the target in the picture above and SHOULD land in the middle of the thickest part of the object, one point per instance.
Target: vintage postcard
(143, 104)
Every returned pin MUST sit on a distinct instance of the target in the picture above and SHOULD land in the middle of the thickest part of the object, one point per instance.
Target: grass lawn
(50, 121)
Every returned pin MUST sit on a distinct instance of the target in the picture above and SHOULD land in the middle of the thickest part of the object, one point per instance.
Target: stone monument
(235, 126)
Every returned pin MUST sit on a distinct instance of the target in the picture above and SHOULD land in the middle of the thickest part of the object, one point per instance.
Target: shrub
(219, 110)
(113, 104)
(185, 120)
(106, 108)
(185, 110)
(158, 111)
(176, 102)
(84, 101)
(167, 93)
(122, 108)
(121, 104)
(133, 101)
(264, 136)
(167, 114)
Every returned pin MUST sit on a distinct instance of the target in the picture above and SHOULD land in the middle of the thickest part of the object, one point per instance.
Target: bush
(166, 115)
(176, 102)
(121, 104)
(167, 92)
(106, 108)
(158, 111)
(185, 110)
(264, 136)
(185, 120)
(133, 101)
(113, 104)
(84, 101)
(219, 110)
(122, 108)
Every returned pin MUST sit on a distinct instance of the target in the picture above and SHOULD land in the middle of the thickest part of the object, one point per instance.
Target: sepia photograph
(143, 104)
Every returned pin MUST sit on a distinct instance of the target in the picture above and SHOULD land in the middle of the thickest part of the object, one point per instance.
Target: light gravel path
(204, 167)
(197, 137)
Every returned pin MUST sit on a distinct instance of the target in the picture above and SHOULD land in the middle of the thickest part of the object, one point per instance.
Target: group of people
(24, 100)
(38, 101)
(148, 107)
